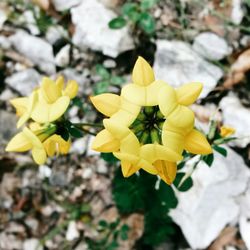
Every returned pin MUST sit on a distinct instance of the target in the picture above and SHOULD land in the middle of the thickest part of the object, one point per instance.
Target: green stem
(98, 125)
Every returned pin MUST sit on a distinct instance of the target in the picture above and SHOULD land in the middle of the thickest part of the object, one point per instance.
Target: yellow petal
(39, 155)
(20, 104)
(166, 170)
(50, 91)
(32, 100)
(127, 113)
(71, 89)
(154, 152)
(188, 93)
(44, 112)
(60, 83)
(167, 100)
(196, 143)
(19, 143)
(32, 138)
(152, 93)
(105, 142)
(226, 131)
(134, 93)
(143, 73)
(130, 144)
(107, 104)
(50, 147)
(116, 129)
(128, 169)
(181, 117)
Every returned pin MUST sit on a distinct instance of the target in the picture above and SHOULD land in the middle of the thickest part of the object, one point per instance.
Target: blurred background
(81, 201)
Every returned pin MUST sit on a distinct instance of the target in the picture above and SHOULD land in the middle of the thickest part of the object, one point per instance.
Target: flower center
(148, 125)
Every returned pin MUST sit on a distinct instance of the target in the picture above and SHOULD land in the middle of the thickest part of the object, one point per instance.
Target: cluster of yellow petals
(177, 132)
(226, 131)
(45, 105)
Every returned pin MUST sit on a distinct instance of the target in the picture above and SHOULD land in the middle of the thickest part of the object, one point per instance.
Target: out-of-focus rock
(61, 5)
(7, 128)
(237, 116)
(24, 81)
(10, 242)
(72, 231)
(214, 196)
(30, 22)
(44, 171)
(211, 46)
(32, 244)
(55, 33)
(4, 43)
(92, 30)
(36, 50)
(63, 56)
(237, 13)
(176, 63)
(3, 17)
(111, 3)
(6, 95)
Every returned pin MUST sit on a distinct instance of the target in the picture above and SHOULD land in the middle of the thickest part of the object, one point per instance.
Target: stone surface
(24, 81)
(36, 50)
(92, 31)
(63, 56)
(211, 46)
(236, 115)
(212, 202)
(61, 5)
(32, 244)
(237, 13)
(72, 232)
(55, 33)
(3, 17)
(176, 63)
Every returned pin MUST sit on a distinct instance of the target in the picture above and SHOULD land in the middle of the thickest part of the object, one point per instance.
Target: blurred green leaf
(124, 232)
(109, 157)
(148, 4)
(117, 23)
(147, 23)
(186, 185)
(102, 72)
(101, 87)
(103, 223)
(131, 10)
(208, 159)
(220, 150)
(117, 80)
(75, 132)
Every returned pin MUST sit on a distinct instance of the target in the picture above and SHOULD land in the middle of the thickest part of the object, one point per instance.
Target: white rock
(63, 56)
(237, 13)
(61, 5)
(245, 230)
(87, 173)
(211, 46)
(30, 22)
(54, 33)
(36, 49)
(72, 232)
(177, 64)
(24, 81)
(92, 31)
(236, 115)
(3, 18)
(44, 171)
(101, 167)
(80, 145)
(32, 244)
(4, 42)
(211, 203)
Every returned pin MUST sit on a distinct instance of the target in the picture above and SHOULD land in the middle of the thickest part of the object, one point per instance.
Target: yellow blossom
(149, 124)
(226, 131)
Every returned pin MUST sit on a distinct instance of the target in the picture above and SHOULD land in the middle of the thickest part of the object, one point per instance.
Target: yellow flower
(226, 131)
(149, 124)
(27, 140)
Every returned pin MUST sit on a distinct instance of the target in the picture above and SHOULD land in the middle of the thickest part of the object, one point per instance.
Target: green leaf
(102, 71)
(103, 223)
(208, 159)
(186, 185)
(131, 10)
(101, 87)
(117, 23)
(64, 133)
(124, 232)
(109, 157)
(148, 4)
(220, 150)
(116, 80)
(75, 132)
(147, 23)
(167, 195)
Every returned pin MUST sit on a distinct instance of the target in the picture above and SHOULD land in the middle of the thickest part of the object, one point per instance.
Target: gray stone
(24, 81)
(36, 50)
(237, 13)
(32, 244)
(234, 114)
(177, 64)
(211, 46)
(63, 56)
(92, 31)
(55, 33)
(3, 17)
(61, 5)
(212, 202)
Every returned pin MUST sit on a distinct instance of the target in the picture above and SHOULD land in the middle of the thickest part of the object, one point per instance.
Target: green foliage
(208, 159)
(111, 234)
(138, 194)
(185, 185)
(220, 150)
(107, 79)
(138, 15)
(109, 157)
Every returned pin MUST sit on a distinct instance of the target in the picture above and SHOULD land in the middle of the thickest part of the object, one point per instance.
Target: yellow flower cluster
(149, 124)
(44, 107)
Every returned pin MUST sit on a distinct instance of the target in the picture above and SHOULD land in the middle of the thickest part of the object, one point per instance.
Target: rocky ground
(69, 202)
